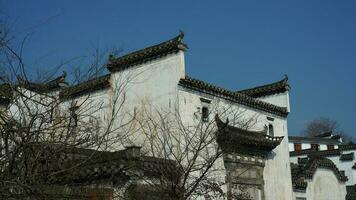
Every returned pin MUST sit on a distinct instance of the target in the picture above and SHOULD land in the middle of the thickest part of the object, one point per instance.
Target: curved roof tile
(240, 98)
(268, 89)
(147, 54)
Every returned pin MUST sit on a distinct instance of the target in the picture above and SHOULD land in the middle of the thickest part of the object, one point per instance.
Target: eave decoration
(237, 140)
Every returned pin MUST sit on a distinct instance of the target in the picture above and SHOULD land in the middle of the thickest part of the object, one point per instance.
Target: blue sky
(234, 44)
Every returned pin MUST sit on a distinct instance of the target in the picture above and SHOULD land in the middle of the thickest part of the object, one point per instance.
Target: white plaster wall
(323, 147)
(341, 165)
(277, 175)
(325, 186)
(277, 170)
(156, 83)
(346, 166)
(150, 85)
(291, 147)
(95, 104)
(306, 146)
(280, 99)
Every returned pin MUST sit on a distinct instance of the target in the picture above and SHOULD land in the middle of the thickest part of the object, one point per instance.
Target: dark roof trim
(307, 171)
(333, 152)
(346, 147)
(92, 85)
(351, 192)
(269, 89)
(235, 139)
(51, 85)
(240, 98)
(301, 139)
(347, 157)
(147, 54)
(323, 135)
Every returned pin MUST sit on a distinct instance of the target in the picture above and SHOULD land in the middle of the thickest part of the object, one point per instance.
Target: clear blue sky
(234, 44)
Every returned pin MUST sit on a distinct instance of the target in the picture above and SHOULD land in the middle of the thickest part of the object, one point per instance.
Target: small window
(297, 146)
(330, 147)
(73, 116)
(315, 147)
(51, 115)
(270, 130)
(205, 114)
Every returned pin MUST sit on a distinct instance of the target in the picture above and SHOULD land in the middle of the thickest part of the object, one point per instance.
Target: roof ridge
(88, 85)
(326, 152)
(267, 89)
(147, 54)
(232, 96)
(307, 171)
(47, 85)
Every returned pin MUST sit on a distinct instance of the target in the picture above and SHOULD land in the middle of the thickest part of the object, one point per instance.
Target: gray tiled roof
(201, 86)
(306, 171)
(333, 152)
(85, 87)
(316, 140)
(268, 89)
(147, 54)
(234, 139)
(51, 85)
(346, 147)
(347, 157)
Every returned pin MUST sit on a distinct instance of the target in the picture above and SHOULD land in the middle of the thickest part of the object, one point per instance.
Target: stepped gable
(301, 172)
(268, 89)
(234, 139)
(201, 86)
(173, 45)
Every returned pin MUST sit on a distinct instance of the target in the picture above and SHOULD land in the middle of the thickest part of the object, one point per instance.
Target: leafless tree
(325, 125)
(192, 145)
(39, 124)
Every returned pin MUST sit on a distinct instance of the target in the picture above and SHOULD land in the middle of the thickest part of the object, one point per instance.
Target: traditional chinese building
(255, 163)
(333, 156)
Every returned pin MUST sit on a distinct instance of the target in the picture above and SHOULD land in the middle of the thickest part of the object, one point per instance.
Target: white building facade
(330, 148)
(154, 79)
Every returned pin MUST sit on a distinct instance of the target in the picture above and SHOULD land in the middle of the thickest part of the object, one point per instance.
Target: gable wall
(276, 173)
(280, 99)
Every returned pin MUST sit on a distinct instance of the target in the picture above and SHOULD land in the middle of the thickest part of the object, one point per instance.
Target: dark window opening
(74, 116)
(205, 100)
(297, 147)
(270, 118)
(270, 130)
(205, 114)
(51, 113)
(315, 147)
(330, 147)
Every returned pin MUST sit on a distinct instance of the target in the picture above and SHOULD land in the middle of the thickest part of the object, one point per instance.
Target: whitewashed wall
(277, 175)
(156, 84)
(150, 85)
(280, 99)
(324, 186)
